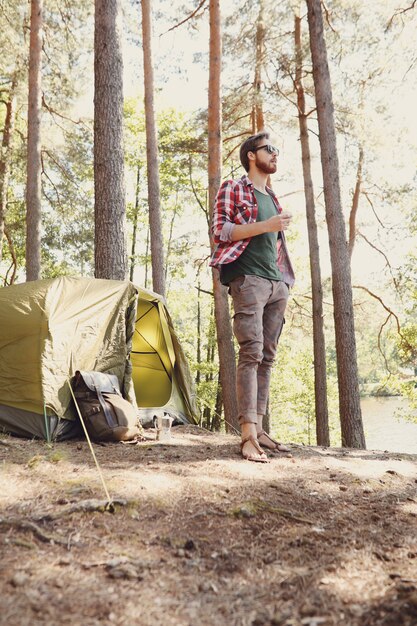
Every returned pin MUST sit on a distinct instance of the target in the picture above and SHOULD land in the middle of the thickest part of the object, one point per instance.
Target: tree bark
(111, 260)
(355, 203)
(349, 400)
(34, 164)
(227, 356)
(155, 221)
(319, 346)
(6, 153)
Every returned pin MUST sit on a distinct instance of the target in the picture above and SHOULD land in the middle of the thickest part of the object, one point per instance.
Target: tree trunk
(258, 112)
(170, 240)
(13, 265)
(227, 357)
(319, 346)
(155, 221)
(349, 400)
(216, 421)
(148, 236)
(198, 351)
(355, 203)
(110, 214)
(266, 422)
(6, 153)
(34, 164)
(212, 415)
(135, 226)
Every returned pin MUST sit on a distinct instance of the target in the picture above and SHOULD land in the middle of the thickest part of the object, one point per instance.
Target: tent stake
(109, 499)
(48, 436)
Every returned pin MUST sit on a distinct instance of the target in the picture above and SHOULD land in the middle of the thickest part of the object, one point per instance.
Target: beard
(265, 167)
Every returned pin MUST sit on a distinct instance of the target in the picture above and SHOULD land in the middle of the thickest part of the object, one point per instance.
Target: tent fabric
(51, 328)
(161, 375)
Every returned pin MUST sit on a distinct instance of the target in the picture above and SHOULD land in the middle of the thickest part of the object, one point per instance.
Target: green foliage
(16, 228)
(70, 193)
(407, 344)
(406, 388)
(181, 187)
(66, 144)
(292, 404)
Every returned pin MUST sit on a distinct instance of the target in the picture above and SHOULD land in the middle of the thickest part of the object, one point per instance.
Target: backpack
(106, 414)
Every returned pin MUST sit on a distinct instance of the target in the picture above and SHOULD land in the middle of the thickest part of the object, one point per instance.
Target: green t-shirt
(260, 255)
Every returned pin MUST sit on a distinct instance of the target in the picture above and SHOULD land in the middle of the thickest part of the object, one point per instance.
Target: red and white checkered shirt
(236, 204)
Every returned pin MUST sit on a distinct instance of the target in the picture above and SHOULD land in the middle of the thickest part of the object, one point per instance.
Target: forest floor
(202, 537)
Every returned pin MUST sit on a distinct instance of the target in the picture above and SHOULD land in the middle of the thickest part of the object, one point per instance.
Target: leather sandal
(278, 446)
(250, 457)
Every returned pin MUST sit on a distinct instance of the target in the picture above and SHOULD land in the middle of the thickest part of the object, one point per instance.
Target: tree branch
(200, 204)
(86, 506)
(380, 347)
(388, 264)
(399, 12)
(244, 132)
(58, 197)
(327, 14)
(373, 295)
(373, 208)
(202, 3)
(302, 295)
(200, 290)
(57, 114)
(235, 121)
(391, 313)
(311, 112)
(284, 95)
(37, 531)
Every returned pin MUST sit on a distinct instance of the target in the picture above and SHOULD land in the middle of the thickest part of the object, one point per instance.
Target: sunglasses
(270, 149)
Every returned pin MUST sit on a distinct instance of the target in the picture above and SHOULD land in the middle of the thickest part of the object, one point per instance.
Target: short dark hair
(249, 145)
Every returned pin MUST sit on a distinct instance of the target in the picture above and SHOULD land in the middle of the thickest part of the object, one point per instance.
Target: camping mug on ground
(163, 427)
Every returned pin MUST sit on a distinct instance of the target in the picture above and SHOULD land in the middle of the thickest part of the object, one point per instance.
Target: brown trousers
(259, 306)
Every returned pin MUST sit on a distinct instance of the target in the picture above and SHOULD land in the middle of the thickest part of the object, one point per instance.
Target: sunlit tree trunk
(110, 213)
(155, 221)
(349, 400)
(6, 149)
(319, 346)
(221, 304)
(34, 164)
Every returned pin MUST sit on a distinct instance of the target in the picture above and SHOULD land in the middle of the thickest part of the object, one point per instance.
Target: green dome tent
(51, 328)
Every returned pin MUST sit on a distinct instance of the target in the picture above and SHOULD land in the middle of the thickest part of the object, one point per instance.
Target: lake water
(383, 430)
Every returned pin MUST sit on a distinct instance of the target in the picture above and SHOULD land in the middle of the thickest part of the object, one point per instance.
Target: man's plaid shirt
(236, 204)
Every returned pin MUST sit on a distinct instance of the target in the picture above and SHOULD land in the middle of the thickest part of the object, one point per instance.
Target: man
(251, 255)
